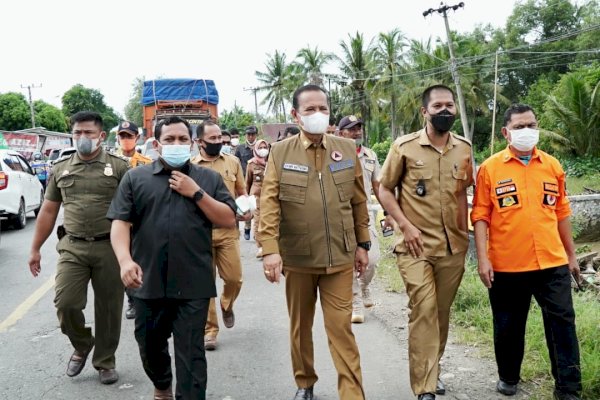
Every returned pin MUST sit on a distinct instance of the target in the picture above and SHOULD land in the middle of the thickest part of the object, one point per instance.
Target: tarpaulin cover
(179, 90)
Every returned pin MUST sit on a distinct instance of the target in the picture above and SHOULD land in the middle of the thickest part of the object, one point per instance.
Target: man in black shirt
(162, 218)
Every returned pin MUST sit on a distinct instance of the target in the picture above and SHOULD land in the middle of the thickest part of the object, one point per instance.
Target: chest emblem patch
(549, 200)
(506, 189)
(508, 201)
(108, 170)
(336, 155)
(338, 166)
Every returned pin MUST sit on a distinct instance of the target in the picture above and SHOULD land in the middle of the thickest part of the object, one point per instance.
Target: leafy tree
(14, 112)
(276, 83)
(133, 108)
(49, 116)
(311, 63)
(236, 118)
(80, 98)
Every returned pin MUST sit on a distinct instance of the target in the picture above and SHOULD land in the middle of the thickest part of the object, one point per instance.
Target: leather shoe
(166, 394)
(210, 343)
(108, 376)
(426, 396)
(440, 388)
(506, 388)
(304, 394)
(560, 395)
(228, 317)
(77, 361)
(130, 313)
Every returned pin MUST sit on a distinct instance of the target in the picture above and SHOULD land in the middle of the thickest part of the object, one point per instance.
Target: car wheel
(37, 210)
(20, 219)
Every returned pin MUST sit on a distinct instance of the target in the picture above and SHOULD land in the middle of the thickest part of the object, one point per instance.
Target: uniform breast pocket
(344, 182)
(66, 187)
(293, 186)
(107, 187)
(508, 202)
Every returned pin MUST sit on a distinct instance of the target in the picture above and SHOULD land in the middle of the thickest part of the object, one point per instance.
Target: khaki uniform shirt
(86, 189)
(255, 175)
(230, 169)
(136, 159)
(313, 204)
(371, 169)
(428, 183)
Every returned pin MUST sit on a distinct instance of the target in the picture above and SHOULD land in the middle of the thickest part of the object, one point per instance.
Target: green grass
(576, 184)
(472, 324)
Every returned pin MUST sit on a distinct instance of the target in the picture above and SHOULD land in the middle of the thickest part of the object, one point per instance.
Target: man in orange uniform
(521, 204)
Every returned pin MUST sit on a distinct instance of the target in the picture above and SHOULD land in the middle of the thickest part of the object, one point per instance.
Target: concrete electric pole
(453, 69)
(254, 90)
(29, 87)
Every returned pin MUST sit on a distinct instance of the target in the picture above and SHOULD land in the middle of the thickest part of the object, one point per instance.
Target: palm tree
(276, 83)
(575, 108)
(356, 64)
(389, 62)
(311, 63)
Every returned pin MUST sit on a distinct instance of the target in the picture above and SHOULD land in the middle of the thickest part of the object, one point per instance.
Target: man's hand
(131, 275)
(272, 265)
(35, 265)
(183, 184)
(486, 272)
(246, 217)
(413, 240)
(574, 268)
(361, 261)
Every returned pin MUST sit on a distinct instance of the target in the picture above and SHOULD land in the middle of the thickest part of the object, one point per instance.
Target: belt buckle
(89, 239)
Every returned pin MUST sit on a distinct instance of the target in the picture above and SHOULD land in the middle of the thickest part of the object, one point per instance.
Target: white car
(20, 189)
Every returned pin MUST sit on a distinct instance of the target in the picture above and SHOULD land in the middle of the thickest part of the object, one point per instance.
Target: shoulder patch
(406, 138)
(63, 158)
(120, 157)
(464, 139)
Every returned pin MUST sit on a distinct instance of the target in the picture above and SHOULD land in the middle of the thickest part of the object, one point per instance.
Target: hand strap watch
(365, 245)
(198, 195)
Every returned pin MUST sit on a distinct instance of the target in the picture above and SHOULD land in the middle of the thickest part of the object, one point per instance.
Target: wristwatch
(365, 245)
(198, 195)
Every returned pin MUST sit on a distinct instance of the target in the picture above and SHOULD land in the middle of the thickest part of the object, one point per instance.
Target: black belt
(106, 236)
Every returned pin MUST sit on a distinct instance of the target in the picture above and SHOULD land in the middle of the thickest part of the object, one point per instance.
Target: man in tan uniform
(225, 241)
(431, 169)
(255, 175)
(315, 227)
(128, 135)
(350, 127)
(84, 183)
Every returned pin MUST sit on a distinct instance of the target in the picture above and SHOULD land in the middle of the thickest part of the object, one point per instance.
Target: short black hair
(87, 116)
(234, 131)
(225, 133)
(200, 128)
(291, 129)
(306, 88)
(170, 121)
(516, 109)
(427, 93)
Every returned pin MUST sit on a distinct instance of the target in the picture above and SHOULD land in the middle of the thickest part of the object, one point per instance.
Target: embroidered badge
(549, 199)
(504, 181)
(336, 155)
(419, 163)
(108, 170)
(338, 166)
(508, 201)
(506, 189)
(295, 167)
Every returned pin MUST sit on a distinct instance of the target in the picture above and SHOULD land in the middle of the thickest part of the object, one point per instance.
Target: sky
(106, 45)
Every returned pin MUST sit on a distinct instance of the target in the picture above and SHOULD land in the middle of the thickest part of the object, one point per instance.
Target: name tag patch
(506, 189)
(504, 181)
(341, 165)
(551, 187)
(508, 201)
(295, 167)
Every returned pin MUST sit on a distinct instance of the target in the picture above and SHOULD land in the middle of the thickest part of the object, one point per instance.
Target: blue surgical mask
(226, 149)
(176, 154)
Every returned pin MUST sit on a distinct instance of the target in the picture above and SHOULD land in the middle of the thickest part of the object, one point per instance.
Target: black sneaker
(246, 234)
(130, 312)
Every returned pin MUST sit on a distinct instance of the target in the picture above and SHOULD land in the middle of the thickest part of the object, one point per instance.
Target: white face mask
(235, 142)
(316, 123)
(524, 139)
(262, 152)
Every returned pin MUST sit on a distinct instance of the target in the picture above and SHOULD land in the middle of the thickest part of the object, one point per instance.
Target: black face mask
(443, 121)
(213, 149)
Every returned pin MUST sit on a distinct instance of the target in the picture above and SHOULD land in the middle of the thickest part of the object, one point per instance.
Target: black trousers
(510, 298)
(155, 320)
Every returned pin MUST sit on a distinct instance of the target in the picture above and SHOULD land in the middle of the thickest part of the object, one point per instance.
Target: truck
(195, 100)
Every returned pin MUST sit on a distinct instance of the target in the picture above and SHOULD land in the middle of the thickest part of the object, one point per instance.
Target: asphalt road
(251, 362)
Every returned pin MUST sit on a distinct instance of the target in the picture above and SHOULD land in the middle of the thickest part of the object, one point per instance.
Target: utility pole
(29, 87)
(254, 90)
(453, 69)
(495, 105)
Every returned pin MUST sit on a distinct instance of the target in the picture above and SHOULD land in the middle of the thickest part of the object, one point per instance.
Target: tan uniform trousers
(335, 291)
(359, 284)
(78, 263)
(431, 284)
(255, 224)
(226, 260)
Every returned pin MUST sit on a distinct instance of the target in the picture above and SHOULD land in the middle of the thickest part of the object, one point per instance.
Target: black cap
(349, 121)
(129, 127)
(251, 130)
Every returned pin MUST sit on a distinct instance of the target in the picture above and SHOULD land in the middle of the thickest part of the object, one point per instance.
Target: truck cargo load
(195, 100)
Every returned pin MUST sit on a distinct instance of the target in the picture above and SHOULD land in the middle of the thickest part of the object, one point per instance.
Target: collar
(424, 139)
(306, 142)
(159, 168)
(198, 158)
(102, 157)
(507, 155)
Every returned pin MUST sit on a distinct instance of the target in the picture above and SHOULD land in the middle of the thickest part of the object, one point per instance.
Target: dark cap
(349, 121)
(129, 127)
(251, 130)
